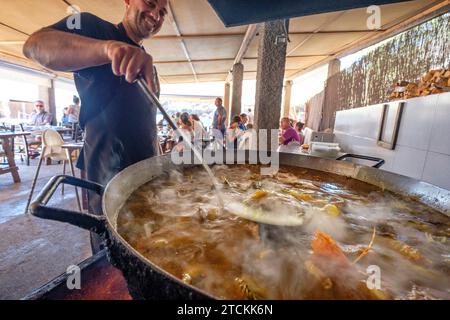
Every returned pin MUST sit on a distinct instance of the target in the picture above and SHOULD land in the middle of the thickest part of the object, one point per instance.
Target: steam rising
(174, 221)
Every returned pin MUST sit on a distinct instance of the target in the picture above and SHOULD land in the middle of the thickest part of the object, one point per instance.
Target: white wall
(423, 145)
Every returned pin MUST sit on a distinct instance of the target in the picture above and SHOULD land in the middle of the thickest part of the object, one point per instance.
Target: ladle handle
(86, 221)
(153, 99)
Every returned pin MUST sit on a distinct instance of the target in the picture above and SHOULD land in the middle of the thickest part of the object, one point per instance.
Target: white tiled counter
(423, 144)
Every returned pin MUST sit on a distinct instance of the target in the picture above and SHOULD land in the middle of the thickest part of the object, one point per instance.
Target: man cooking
(119, 123)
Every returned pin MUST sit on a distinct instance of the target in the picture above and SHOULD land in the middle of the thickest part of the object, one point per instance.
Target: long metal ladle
(234, 208)
(155, 101)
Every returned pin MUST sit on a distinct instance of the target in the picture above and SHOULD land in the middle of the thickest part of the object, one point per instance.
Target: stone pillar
(52, 102)
(287, 98)
(270, 75)
(236, 100)
(47, 95)
(43, 92)
(331, 98)
(226, 101)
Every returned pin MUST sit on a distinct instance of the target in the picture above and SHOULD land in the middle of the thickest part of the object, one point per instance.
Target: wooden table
(5, 138)
(40, 130)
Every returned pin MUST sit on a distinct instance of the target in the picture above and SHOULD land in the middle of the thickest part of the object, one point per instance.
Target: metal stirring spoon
(233, 207)
(155, 101)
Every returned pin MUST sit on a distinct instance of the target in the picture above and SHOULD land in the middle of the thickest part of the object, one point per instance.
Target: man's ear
(127, 2)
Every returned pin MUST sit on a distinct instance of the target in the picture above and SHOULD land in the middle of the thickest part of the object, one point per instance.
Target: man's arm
(63, 51)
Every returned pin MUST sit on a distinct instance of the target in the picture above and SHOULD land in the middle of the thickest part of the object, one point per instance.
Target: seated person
(234, 133)
(65, 117)
(288, 134)
(40, 117)
(244, 121)
(299, 128)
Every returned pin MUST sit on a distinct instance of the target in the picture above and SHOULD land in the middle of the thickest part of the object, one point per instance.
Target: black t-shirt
(119, 122)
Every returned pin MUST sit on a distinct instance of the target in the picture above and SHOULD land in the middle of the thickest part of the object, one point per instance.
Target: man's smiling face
(146, 17)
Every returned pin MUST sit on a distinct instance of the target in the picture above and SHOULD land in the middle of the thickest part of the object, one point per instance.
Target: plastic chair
(27, 147)
(52, 149)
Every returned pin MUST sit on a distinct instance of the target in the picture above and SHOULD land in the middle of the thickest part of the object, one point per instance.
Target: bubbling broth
(357, 241)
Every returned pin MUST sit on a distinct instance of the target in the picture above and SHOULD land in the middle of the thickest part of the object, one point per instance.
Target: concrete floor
(34, 251)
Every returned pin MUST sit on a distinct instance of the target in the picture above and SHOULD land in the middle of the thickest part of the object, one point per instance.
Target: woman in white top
(73, 111)
(185, 131)
(199, 130)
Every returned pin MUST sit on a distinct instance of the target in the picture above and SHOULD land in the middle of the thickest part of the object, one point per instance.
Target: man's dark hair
(76, 100)
(299, 125)
(236, 119)
(220, 99)
(184, 118)
(195, 117)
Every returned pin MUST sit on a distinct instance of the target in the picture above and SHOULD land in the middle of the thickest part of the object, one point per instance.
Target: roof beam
(12, 42)
(231, 59)
(214, 73)
(225, 35)
(252, 30)
(198, 36)
(22, 62)
(422, 15)
(248, 38)
(316, 31)
(172, 19)
(12, 28)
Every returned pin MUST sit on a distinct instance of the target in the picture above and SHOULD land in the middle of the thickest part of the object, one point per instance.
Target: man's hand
(130, 61)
